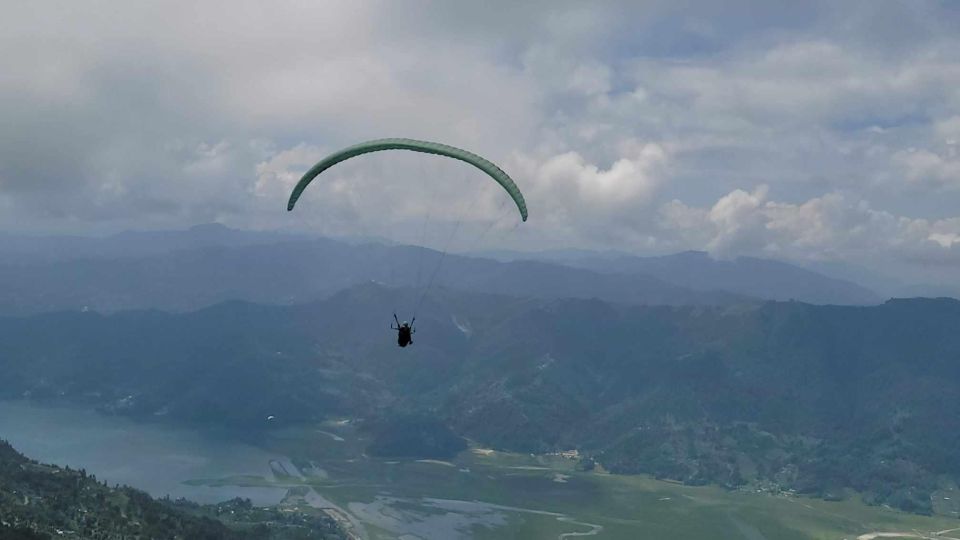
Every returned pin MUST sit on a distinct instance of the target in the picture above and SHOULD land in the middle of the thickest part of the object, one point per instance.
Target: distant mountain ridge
(696, 270)
(187, 270)
(202, 272)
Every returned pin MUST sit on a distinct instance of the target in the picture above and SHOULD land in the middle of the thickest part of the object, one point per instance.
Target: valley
(480, 493)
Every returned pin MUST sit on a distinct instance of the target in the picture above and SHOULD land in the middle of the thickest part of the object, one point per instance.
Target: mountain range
(698, 271)
(188, 270)
(817, 399)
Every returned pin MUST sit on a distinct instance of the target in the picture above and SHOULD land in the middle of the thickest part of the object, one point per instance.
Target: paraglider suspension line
(436, 270)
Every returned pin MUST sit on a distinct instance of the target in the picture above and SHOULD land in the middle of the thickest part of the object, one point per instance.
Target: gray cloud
(639, 126)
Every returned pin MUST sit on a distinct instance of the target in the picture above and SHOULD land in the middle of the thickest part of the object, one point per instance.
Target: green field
(483, 494)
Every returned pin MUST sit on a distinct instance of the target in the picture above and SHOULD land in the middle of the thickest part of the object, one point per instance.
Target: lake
(154, 458)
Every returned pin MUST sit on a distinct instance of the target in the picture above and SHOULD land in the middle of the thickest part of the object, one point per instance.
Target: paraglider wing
(416, 146)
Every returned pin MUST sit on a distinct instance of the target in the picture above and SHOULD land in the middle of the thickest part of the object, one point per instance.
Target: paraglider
(406, 330)
(415, 146)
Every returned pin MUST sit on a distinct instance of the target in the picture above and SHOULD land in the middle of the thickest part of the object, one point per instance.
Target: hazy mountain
(765, 278)
(696, 270)
(813, 398)
(878, 280)
(190, 269)
(235, 267)
(571, 255)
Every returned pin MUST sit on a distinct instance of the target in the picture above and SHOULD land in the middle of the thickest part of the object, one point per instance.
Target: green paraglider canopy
(416, 146)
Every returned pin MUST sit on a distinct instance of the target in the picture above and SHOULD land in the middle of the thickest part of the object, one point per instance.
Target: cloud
(119, 116)
(581, 203)
(639, 126)
(832, 227)
(928, 168)
(936, 167)
(628, 182)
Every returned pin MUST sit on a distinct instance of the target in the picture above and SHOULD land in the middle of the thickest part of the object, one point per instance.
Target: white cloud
(277, 175)
(924, 167)
(834, 227)
(576, 202)
(628, 182)
(938, 165)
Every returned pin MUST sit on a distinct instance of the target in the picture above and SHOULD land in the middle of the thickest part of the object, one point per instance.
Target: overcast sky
(805, 131)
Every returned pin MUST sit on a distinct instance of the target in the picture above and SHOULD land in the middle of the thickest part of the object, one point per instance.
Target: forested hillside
(811, 398)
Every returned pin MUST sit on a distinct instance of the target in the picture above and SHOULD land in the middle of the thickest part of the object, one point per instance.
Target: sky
(814, 132)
